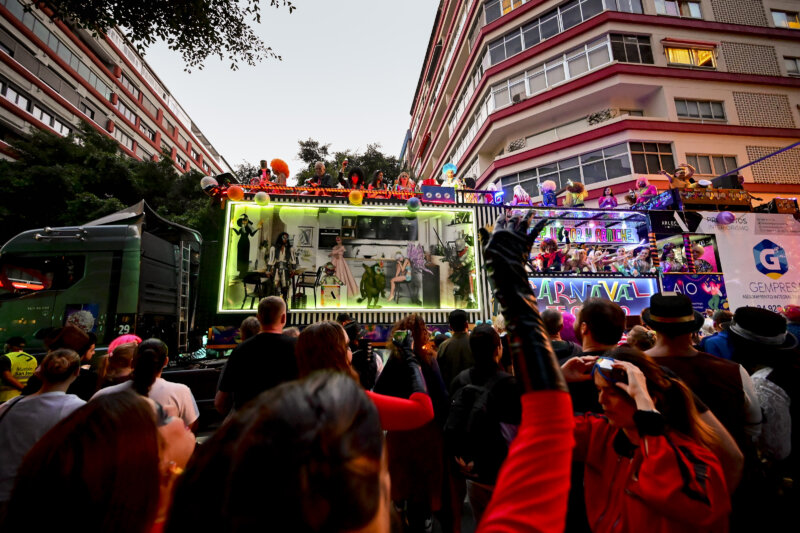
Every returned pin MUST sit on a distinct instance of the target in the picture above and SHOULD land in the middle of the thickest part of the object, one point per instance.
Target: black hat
(672, 315)
(763, 327)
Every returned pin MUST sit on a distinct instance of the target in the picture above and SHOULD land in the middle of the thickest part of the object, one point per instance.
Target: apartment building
(602, 91)
(54, 77)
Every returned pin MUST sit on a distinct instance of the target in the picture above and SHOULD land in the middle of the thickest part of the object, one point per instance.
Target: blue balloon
(413, 204)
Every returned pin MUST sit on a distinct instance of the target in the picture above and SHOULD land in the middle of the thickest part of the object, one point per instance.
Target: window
(631, 48)
(591, 167)
(792, 65)
(690, 57)
(700, 109)
(17, 98)
(150, 134)
(195, 155)
(40, 273)
(61, 128)
(679, 8)
(494, 9)
(126, 112)
(552, 23)
(181, 161)
(206, 168)
(786, 19)
(86, 110)
(631, 112)
(42, 115)
(170, 127)
(128, 84)
(650, 158)
(712, 164)
(123, 138)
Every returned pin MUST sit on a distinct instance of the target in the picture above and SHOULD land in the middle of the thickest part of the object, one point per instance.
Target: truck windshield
(21, 275)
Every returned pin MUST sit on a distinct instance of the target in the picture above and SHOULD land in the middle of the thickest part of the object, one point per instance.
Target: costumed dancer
(669, 262)
(263, 177)
(548, 188)
(578, 260)
(551, 258)
(641, 262)
(521, 197)
(682, 178)
(280, 171)
(576, 193)
(245, 231)
(644, 190)
(608, 200)
(449, 176)
(282, 264)
(342, 268)
(700, 265)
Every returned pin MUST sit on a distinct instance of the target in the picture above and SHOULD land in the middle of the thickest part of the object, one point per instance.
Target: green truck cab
(129, 272)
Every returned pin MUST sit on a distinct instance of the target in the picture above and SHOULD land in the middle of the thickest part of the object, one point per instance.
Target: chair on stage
(253, 288)
(309, 280)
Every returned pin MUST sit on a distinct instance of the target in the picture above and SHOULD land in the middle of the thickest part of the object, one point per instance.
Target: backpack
(472, 430)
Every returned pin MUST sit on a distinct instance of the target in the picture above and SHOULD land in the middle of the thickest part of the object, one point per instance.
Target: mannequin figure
(282, 264)
(244, 229)
(342, 268)
(448, 176)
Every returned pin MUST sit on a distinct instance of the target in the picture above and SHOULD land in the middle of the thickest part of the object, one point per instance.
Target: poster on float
(348, 257)
(759, 255)
(568, 294)
(707, 291)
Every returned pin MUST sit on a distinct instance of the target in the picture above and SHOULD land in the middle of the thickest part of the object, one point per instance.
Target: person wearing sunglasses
(648, 459)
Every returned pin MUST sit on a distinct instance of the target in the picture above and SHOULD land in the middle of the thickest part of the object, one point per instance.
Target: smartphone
(616, 375)
(399, 336)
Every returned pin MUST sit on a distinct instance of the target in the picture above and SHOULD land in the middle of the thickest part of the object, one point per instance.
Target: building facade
(54, 77)
(603, 91)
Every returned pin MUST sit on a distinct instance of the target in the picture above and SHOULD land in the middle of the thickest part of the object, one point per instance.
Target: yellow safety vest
(22, 368)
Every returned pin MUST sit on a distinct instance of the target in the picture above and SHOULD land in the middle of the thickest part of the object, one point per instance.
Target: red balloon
(235, 193)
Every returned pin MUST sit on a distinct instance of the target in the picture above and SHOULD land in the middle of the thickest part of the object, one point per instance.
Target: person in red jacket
(648, 466)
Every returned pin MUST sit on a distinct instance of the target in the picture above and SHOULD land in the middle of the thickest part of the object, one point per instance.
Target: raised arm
(532, 487)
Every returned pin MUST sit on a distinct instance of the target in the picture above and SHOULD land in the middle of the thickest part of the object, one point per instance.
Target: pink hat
(123, 339)
(792, 313)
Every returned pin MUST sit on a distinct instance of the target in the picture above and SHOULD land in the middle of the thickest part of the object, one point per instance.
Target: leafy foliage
(372, 159)
(195, 28)
(63, 181)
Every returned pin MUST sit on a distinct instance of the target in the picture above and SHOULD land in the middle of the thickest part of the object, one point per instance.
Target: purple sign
(707, 291)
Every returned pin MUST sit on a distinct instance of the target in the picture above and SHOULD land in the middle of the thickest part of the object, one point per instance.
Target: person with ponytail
(648, 459)
(176, 399)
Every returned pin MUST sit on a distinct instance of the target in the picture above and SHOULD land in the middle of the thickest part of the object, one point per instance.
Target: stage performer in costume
(245, 231)
(644, 191)
(280, 171)
(551, 258)
(521, 197)
(682, 178)
(282, 264)
(576, 193)
(548, 188)
(342, 268)
(449, 176)
(608, 200)
(669, 262)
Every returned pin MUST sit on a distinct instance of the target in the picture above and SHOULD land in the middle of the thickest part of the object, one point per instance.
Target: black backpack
(472, 430)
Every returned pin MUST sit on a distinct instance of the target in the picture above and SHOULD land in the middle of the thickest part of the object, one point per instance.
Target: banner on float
(707, 291)
(568, 294)
(760, 258)
(594, 235)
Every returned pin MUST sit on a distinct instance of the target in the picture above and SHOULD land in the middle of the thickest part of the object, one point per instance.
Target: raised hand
(505, 254)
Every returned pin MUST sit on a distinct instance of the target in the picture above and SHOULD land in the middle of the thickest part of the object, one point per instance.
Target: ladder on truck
(184, 265)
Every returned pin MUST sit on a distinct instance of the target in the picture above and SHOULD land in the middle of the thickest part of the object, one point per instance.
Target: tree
(63, 181)
(195, 28)
(372, 159)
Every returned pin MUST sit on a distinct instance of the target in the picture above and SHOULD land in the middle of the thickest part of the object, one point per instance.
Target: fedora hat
(672, 315)
(763, 327)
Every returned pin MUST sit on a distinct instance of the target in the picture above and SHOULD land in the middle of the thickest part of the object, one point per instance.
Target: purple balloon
(725, 217)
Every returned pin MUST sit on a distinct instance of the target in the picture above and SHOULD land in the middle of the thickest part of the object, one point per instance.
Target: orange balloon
(356, 197)
(235, 193)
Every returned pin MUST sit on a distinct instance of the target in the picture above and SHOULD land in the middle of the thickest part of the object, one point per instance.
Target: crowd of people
(541, 421)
